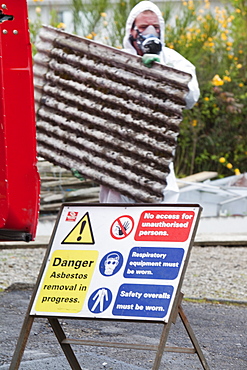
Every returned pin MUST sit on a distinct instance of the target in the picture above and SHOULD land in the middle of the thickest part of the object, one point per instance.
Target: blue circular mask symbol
(111, 263)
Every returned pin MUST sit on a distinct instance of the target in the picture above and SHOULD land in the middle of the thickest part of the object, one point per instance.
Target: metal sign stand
(66, 343)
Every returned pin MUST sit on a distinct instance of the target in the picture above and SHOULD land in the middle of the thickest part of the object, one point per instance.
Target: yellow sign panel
(66, 281)
(81, 233)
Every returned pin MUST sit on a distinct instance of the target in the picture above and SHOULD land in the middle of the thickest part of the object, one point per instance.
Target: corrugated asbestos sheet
(101, 112)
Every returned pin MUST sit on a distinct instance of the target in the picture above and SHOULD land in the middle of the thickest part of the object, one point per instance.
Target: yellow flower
(103, 15)
(223, 36)
(217, 81)
(227, 78)
(207, 4)
(229, 165)
(206, 98)
(61, 25)
(194, 123)
(38, 10)
(89, 36)
(241, 84)
(237, 172)
(239, 66)
(222, 160)
(190, 5)
(237, 10)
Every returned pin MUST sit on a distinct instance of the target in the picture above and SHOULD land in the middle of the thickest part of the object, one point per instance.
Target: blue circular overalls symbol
(111, 263)
(100, 300)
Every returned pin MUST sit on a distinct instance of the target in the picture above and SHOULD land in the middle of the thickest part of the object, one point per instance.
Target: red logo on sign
(122, 227)
(71, 216)
(168, 226)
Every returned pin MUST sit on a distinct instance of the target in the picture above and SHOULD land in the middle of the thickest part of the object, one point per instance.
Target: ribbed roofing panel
(101, 112)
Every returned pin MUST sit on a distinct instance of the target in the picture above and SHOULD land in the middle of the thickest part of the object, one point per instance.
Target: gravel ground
(213, 272)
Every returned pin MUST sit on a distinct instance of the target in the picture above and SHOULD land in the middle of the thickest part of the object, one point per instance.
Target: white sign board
(116, 261)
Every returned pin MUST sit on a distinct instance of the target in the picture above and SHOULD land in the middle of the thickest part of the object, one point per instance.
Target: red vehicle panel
(19, 179)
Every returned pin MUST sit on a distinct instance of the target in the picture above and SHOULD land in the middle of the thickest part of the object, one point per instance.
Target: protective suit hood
(139, 8)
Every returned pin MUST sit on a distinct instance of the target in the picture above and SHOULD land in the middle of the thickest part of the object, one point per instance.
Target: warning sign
(66, 281)
(135, 271)
(140, 253)
(82, 233)
(122, 227)
(166, 226)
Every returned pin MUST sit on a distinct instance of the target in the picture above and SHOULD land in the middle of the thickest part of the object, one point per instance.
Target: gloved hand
(149, 59)
(77, 174)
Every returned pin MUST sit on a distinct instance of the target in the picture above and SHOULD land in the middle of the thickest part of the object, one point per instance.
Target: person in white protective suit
(144, 24)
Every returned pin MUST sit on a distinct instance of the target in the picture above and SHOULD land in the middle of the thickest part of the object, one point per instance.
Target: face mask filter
(148, 41)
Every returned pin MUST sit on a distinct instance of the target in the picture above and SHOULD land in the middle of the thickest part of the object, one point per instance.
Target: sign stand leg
(68, 351)
(193, 338)
(165, 332)
(161, 347)
(22, 341)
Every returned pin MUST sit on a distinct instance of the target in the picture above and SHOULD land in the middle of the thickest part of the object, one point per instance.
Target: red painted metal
(19, 179)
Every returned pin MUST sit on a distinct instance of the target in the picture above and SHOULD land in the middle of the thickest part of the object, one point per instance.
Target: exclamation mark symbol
(82, 228)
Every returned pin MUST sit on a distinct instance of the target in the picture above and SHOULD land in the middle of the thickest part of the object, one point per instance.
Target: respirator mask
(148, 41)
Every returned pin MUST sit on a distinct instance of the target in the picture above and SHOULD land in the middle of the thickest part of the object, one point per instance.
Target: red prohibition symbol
(122, 227)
